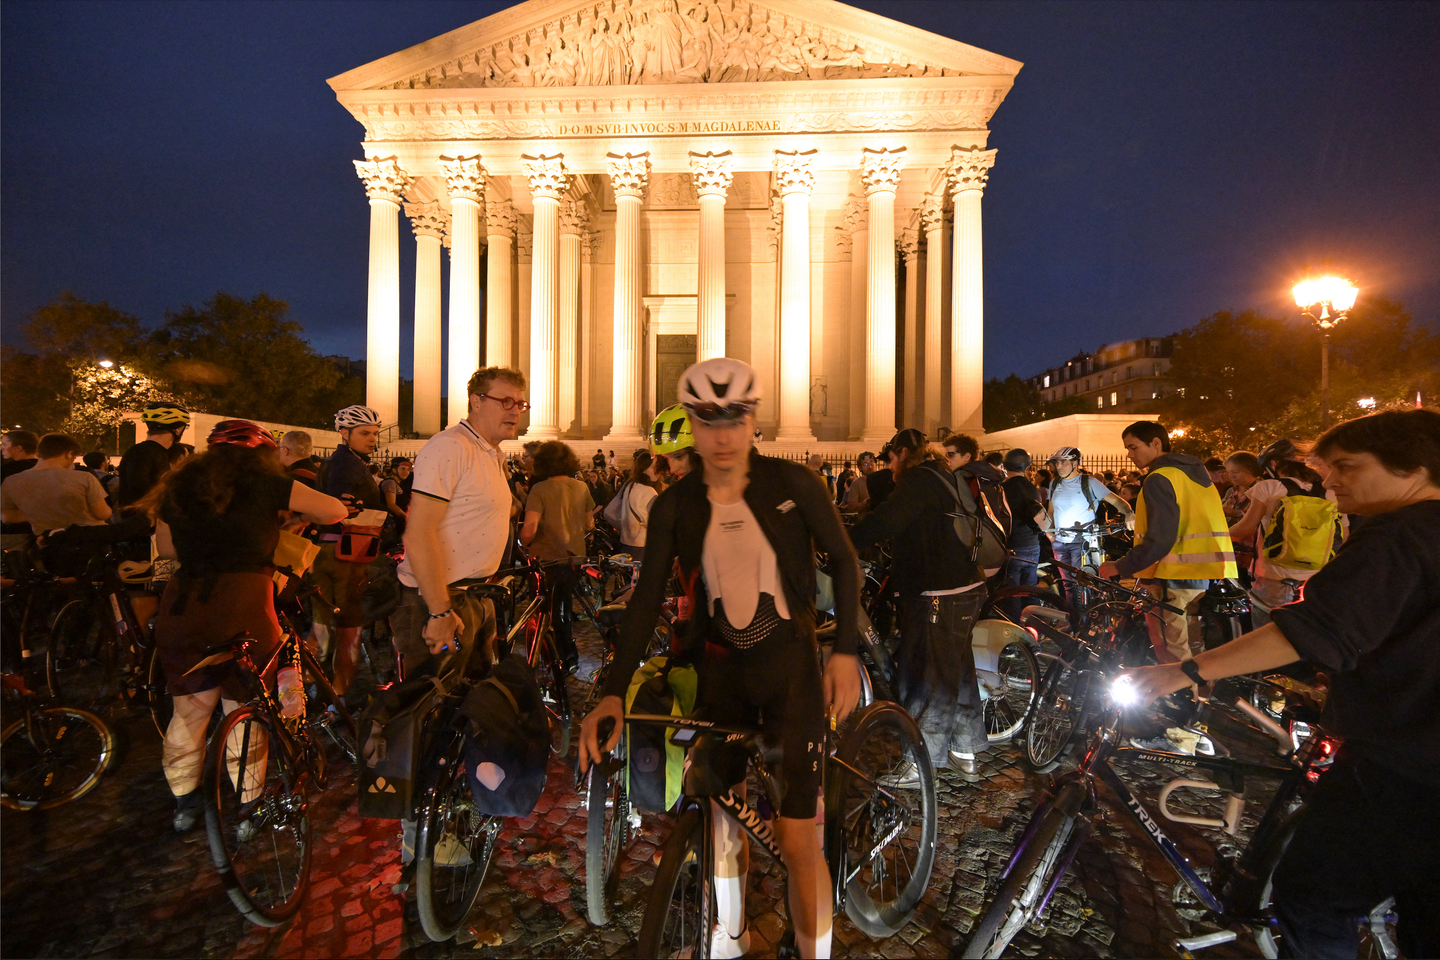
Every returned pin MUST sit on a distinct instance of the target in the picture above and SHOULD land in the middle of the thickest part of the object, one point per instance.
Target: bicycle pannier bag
(656, 766)
(507, 742)
(1303, 531)
(390, 727)
(382, 590)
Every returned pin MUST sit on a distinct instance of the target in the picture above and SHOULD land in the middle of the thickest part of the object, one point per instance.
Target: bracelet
(1191, 670)
(446, 613)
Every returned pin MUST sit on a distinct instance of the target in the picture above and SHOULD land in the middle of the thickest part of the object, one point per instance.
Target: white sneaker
(450, 852)
(905, 774)
(725, 947)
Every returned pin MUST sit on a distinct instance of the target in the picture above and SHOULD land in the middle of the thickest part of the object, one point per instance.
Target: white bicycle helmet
(1065, 453)
(356, 415)
(720, 388)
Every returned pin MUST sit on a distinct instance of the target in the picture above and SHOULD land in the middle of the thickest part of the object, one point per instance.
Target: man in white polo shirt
(458, 525)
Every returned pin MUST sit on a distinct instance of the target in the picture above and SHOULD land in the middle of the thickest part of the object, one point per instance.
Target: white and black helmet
(720, 388)
(1065, 453)
(356, 415)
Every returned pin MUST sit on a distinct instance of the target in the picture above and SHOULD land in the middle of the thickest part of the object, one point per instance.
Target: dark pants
(562, 617)
(1365, 835)
(936, 668)
(1020, 572)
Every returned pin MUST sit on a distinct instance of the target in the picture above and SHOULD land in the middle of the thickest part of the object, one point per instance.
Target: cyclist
(396, 490)
(1025, 513)
(630, 510)
(345, 475)
(941, 592)
(219, 514)
(145, 463)
(295, 447)
(749, 526)
(558, 514)
(1371, 618)
(53, 495)
(1073, 500)
(670, 437)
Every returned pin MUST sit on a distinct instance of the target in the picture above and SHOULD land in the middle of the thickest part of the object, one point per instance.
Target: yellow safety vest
(1202, 548)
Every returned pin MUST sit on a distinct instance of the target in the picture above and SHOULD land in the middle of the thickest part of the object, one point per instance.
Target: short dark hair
(554, 458)
(94, 459)
(963, 443)
(57, 445)
(1246, 461)
(23, 440)
(1147, 432)
(1017, 460)
(1402, 440)
(481, 379)
(995, 458)
(1214, 463)
(396, 461)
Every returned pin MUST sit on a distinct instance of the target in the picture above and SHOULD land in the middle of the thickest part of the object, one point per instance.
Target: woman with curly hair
(558, 514)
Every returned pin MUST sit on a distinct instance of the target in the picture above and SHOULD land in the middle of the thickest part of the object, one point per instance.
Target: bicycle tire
(550, 676)
(33, 777)
(680, 913)
(260, 846)
(340, 726)
(1012, 907)
(1019, 685)
(446, 892)
(79, 663)
(157, 697)
(1054, 715)
(607, 835)
(871, 832)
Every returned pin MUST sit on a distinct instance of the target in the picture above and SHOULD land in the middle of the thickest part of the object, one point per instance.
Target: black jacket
(927, 555)
(796, 515)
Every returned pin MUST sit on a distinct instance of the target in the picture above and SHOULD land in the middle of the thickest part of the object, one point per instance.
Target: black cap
(907, 439)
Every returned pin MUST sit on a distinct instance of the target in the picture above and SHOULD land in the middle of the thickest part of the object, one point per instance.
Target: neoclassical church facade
(625, 186)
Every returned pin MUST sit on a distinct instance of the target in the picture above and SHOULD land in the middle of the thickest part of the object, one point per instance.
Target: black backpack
(973, 522)
(507, 739)
(390, 729)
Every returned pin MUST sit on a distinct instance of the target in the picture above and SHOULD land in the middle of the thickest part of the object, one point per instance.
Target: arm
(531, 527)
(890, 518)
(1163, 514)
(1245, 527)
(96, 499)
(422, 548)
(315, 506)
(390, 503)
(842, 673)
(1255, 652)
(164, 543)
(9, 510)
(1118, 502)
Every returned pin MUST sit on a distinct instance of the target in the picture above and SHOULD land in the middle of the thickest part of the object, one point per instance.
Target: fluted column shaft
(937, 273)
(859, 304)
(880, 172)
(910, 255)
(795, 181)
(572, 224)
(969, 173)
(499, 304)
(548, 181)
(628, 177)
(465, 180)
(428, 222)
(385, 184)
(712, 180)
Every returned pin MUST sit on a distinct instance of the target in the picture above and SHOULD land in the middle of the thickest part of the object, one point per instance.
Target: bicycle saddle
(498, 593)
(610, 615)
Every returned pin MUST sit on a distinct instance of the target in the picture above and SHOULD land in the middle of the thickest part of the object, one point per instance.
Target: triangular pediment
(564, 43)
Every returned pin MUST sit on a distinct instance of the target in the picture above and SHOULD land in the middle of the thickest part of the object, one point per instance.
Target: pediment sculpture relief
(671, 41)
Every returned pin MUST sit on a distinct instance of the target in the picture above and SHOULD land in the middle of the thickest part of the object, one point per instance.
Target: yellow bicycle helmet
(671, 431)
(166, 413)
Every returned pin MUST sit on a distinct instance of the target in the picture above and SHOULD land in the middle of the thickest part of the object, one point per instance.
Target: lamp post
(1326, 301)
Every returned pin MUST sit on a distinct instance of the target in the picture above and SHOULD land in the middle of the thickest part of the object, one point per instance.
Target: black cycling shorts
(774, 685)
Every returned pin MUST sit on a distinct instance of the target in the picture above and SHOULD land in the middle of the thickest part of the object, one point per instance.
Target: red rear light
(1034, 633)
(1327, 747)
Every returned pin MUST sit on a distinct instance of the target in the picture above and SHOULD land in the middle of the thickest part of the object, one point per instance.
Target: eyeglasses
(715, 413)
(509, 403)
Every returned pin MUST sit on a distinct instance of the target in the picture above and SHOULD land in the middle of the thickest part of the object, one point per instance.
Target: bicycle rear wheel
(1054, 715)
(79, 656)
(607, 833)
(452, 852)
(157, 696)
(58, 758)
(256, 817)
(883, 838)
(1011, 690)
(681, 912)
(550, 676)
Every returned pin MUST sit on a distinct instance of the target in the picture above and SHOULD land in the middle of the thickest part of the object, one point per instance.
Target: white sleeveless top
(739, 564)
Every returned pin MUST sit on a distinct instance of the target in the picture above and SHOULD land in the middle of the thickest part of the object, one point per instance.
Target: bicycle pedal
(1186, 944)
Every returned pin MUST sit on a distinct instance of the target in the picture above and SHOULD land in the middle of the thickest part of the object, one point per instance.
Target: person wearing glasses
(744, 529)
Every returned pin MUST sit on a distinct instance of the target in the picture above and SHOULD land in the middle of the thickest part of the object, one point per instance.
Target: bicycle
(879, 842)
(51, 755)
(1235, 893)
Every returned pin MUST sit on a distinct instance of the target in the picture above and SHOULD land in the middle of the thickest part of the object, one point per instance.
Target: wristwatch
(1190, 670)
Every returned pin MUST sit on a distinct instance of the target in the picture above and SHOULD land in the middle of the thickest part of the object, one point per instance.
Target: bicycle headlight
(1123, 693)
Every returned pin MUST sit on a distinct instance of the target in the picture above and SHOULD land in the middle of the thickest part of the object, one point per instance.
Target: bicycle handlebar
(1110, 585)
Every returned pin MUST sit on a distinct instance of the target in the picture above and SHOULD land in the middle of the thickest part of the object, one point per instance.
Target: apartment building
(1112, 379)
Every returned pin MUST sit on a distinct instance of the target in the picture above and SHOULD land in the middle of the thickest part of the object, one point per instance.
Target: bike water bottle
(292, 692)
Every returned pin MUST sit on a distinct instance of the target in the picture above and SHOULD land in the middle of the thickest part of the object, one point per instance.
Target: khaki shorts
(408, 623)
(341, 585)
(1175, 634)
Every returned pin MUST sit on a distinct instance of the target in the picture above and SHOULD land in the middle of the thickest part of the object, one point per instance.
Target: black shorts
(774, 685)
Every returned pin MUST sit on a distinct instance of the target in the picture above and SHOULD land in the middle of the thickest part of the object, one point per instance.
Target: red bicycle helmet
(241, 433)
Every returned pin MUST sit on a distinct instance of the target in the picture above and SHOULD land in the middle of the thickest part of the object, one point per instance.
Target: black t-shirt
(1023, 498)
(1371, 617)
(240, 540)
(140, 469)
(878, 486)
(928, 556)
(347, 472)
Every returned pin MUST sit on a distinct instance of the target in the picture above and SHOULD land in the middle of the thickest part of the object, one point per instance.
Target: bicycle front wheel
(880, 818)
(681, 911)
(79, 656)
(157, 696)
(257, 818)
(452, 853)
(54, 756)
(1010, 690)
(1054, 715)
(607, 834)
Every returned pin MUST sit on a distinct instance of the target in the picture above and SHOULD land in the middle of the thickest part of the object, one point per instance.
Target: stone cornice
(384, 179)
(464, 177)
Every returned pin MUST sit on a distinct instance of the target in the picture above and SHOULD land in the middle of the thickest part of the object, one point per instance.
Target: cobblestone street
(106, 876)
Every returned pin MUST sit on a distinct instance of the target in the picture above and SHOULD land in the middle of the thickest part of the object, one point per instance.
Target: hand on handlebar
(1151, 683)
(440, 633)
(591, 749)
(1108, 570)
(842, 685)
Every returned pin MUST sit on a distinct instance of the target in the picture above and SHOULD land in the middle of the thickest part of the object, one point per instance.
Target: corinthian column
(628, 177)
(465, 179)
(880, 173)
(712, 181)
(858, 224)
(428, 222)
(937, 305)
(969, 170)
(795, 181)
(385, 184)
(548, 183)
(573, 221)
(499, 309)
(909, 247)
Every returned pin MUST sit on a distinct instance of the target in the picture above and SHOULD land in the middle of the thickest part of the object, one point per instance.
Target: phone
(684, 736)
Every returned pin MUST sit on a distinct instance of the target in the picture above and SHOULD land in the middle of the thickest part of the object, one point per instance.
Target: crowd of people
(1353, 519)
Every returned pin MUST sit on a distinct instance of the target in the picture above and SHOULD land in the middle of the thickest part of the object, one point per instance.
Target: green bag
(1304, 531)
(655, 766)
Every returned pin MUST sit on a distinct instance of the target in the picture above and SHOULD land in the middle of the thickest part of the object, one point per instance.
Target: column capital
(384, 178)
(589, 246)
(574, 217)
(548, 176)
(500, 218)
(932, 212)
(909, 244)
(712, 172)
(428, 219)
(793, 173)
(880, 169)
(969, 169)
(629, 173)
(524, 247)
(464, 177)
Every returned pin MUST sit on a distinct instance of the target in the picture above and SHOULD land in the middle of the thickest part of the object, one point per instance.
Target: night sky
(1157, 161)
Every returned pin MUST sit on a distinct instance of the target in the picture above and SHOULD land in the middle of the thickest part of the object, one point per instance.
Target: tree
(1012, 402)
(71, 328)
(102, 396)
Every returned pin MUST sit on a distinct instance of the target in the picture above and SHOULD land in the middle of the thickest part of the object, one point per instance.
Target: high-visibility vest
(1202, 549)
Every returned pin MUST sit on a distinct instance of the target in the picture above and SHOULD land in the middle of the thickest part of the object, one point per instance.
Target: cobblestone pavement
(106, 876)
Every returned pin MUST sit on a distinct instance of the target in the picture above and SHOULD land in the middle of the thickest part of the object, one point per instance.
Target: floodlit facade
(625, 186)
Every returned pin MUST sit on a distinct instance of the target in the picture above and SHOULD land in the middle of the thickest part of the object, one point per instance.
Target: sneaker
(1183, 744)
(904, 774)
(189, 809)
(964, 762)
(450, 852)
(725, 947)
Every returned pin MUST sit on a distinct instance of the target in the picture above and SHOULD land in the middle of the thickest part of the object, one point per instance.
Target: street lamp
(107, 364)
(1327, 301)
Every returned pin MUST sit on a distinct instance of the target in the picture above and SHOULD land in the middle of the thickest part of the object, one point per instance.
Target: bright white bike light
(1123, 693)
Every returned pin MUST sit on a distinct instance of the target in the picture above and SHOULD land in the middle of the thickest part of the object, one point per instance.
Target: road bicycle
(51, 755)
(879, 841)
(1234, 894)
